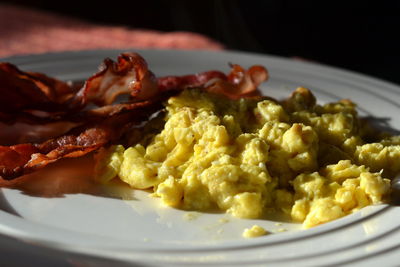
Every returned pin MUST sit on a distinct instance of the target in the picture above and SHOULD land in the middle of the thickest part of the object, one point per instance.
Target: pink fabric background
(29, 31)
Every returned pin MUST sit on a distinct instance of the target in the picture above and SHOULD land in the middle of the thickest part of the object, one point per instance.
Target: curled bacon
(130, 75)
(240, 82)
(36, 98)
(250, 80)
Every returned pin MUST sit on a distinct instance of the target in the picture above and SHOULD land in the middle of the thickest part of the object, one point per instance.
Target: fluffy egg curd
(248, 157)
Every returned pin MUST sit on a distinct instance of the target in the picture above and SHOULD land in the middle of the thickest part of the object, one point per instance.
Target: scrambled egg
(254, 231)
(252, 156)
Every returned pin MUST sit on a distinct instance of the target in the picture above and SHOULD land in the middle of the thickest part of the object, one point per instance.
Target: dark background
(357, 35)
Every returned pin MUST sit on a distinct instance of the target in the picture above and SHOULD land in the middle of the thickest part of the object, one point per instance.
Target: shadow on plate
(381, 124)
(67, 176)
(5, 205)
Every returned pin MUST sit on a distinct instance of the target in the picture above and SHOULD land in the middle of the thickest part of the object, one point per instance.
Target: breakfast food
(207, 141)
(257, 155)
(34, 98)
(254, 231)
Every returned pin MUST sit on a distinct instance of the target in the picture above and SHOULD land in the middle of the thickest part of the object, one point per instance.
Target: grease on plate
(190, 216)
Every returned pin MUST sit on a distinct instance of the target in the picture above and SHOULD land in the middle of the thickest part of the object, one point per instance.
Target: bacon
(21, 91)
(188, 81)
(252, 78)
(13, 158)
(38, 99)
(130, 75)
(240, 82)
(22, 159)
(35, 98)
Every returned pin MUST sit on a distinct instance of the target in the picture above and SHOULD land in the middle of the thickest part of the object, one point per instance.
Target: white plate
(91, 227)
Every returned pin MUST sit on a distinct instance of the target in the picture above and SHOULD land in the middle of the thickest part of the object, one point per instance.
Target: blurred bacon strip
(22, 91)
(189, 81)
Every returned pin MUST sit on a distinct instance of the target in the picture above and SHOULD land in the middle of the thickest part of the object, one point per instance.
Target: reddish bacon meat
(21, 91)
(36, 98)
